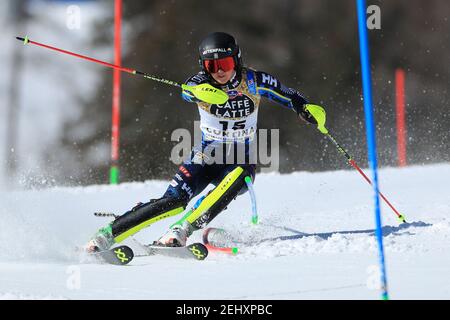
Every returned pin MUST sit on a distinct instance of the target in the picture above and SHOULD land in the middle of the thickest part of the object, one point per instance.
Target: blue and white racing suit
(229, 125)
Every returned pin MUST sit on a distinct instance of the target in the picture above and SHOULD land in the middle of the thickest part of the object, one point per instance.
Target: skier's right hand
(319, 115)
(306, 116)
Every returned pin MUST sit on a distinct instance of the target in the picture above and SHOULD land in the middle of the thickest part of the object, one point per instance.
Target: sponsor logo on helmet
(215, 50)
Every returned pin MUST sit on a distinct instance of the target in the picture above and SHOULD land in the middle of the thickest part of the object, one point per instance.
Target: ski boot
(176, 236)
(102, 240)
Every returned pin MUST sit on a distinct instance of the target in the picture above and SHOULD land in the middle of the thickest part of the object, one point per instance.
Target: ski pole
(204, 92)
(352, 162)
(319, 114)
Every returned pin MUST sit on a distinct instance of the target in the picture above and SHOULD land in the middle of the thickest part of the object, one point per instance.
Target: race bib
(226, 129)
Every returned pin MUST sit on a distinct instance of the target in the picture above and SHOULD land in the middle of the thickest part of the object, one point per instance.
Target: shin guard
(217, 199)
(144, 215)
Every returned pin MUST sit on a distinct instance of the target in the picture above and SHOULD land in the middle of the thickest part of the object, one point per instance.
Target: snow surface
(330, 251)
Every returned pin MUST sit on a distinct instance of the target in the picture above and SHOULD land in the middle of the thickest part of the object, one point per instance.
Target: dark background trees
(310, 45)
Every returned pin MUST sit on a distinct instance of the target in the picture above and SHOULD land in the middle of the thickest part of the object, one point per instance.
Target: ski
(196, 251)
(121, 255)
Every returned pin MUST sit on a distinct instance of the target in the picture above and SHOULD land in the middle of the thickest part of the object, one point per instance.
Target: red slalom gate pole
(400, 116)
(115, 132)
(210, 247)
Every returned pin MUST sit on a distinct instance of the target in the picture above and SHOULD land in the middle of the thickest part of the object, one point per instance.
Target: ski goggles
(224, 64)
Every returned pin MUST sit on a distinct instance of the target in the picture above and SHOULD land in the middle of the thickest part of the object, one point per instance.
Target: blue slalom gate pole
(249, 183)
(370, 133)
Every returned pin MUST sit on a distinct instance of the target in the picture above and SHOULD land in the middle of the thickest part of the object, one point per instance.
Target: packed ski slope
(331, 252)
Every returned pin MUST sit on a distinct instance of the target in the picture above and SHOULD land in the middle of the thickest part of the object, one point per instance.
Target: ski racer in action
(230, 125)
